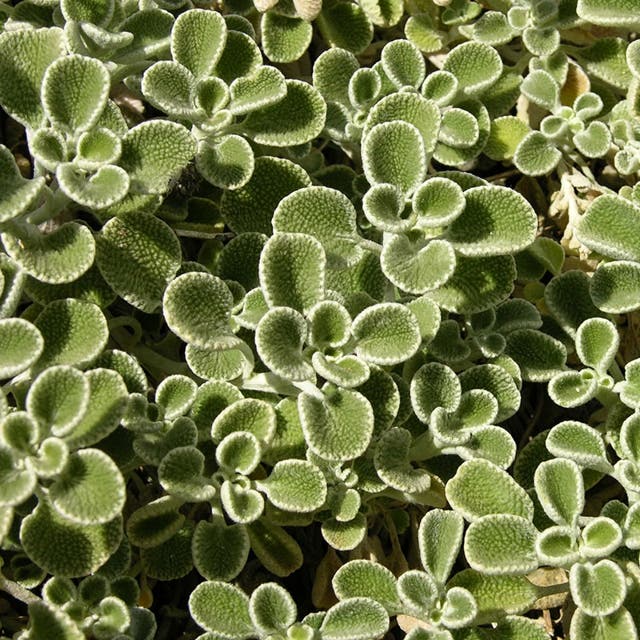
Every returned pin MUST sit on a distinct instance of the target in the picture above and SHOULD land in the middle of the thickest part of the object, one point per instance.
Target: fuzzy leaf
(560, 489)
(418, 592)
(107, 186)
(241, 57)
(47, 621)
(251, 415)
(90, 490)
(573, 388)
(227, 162)
(325, 214)
(18, 194)
(459, 128)
(393, 466)
(220, 551)
(278, 552)
(622, 12)
(619, 624)
(579, 442)
(600, 537)
(222, 609)
(615, 286)
(364, 87)
(480, 488)
(197, 308)
(151, 164)
(501, 544)
(344, 371)
(280, 338)
(264, 87)
(170, 560)
(438, 202)
(345, 25)
(295, 485)
(393, 153)
(434, 385)
(176, 394)
(155, 522)
(339, 426)
(143, 240)
(536, 155)
(594, 141)
(364, 578)
(403, 63)
(475, 65)
(272, 609)
(239, 452)
(385, 207)
(598, 589)
(25, 55)
(21, 344)
(181, 474)
(355, 619)
(597, 342)
(332, 72)
(541, 88)
(506, 134)
(538, 355)
(168, 86)
(495, 221)
(440, 539)
(284, 38)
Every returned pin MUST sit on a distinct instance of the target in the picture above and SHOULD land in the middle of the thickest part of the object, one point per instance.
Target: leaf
(154, 152)
(74, 333)
(107, 186)
(74, 92)
(197, 308)
(21, 344)
(420, 30)
(597, 343)
(155, 522)
(475, 65)
(499, 382)
(392, 462)
(418, 592)
(295, 485)
(97, 147)
(241, 57)
(170, 560)
(501, 544)
(25, 55)
(241, 504)
(594, 141)
(538, 355)
(619, 624)
(181, 475)
(197, 40)
(278, 552)
(459, 128)
(169, 86)
(248, 414)
(387, 333)
(222, 609)
(477, 284)
(598, 589)
(356, 619)
(264, 87)
(364, 87)
(367, 579)
(438, 202)
(495, 221)
(428, 314)
(144, 240)
(573, 388)
(393, 153)
(600, 537)
(176, 393)
(16, 485)
(615, 286)
(19, 195)
(220, 551)
(227, 162)
(560, 490)
(327, 215)
(272, 609)
(297, 118)
(344, 371)
(219, 363)
(90, 490)
(434, 385)
(403, 64)
(284, 38)
(46, 621)
(506, 134)
(557, 546)
(541, 88)
(480, 488)
(66, 549)
(579, 442)
(439, 86)
(629, 444)
(440, 538)
(280, 338)
(600, 12)
(332, 72)
(337, 427)
(292, 269)
(345, 25)
(536, 155)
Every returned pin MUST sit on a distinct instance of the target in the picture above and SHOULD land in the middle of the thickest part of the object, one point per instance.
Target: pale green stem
(17, 591)
(56, 203)
(270, 383)
(552, 589)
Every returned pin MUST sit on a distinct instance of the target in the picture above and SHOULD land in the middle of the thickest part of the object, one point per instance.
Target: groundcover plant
(320, 320)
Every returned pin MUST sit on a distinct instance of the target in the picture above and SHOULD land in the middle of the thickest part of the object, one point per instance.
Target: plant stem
(17, 591)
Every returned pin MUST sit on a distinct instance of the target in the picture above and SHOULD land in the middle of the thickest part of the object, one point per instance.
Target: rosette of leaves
(572, 132)
(625, 132)
(215, 80)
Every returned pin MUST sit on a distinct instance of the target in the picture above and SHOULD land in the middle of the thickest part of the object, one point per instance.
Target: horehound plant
(319, 320)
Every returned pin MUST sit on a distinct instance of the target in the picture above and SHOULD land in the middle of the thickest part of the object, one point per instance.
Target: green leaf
(344, 371)
(264, 87)
(280, 338)
(560, 490)
(493, 28)
(46, 621)
(327, 215)
(420, 30)
(459, 128)
(169, 86)
(418, 592)
(176, 394)
(383, 13)
(90, 490)
(383, 392)
(594, 141)
(538, 355)
(620, 13)
(97, 147)
(495, 221)
(292, 269)
(345, 25)
(501, 544)
(403, 63)
(597, 343)
(151, 29)
(557, 546)
(219, 363)
(278, 552)
(339, 426)
(284, 38)
(220, 551)
(364, 87)
(477, 284)
(170, 560)
(198, 39)
(580, 443)
(66, 549)
(392, 462)
(428, 314)
(25, 55)
(197, 308)
(74, 92)
(438, 202)
(241, 504)
(541, 88)
(615, 286)
(144, 240)
(297, 118)
(598, 589)
(222, 609)
(573, 388)
(226, 162)
(19, 195)
(107, 186)
(499, 382)
(506, 134)
(600, 537)
(607, 227)
(272, 609)
(16, 484)
(255, 416)
(155, 522)
(434, 385)
(155, 152)
(108, 396)
(356, 619)
(440, 86)
(440, 539)
(629, 445)
(480, 488)
(536, 155)
(21, 344)
(181, 474)
(475, 65)
(387, 333)
(393, 153)
(241, 57)
(295, 485)
(364, 578)
(74, 333)
(332, 73)
(619, 624)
